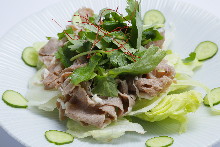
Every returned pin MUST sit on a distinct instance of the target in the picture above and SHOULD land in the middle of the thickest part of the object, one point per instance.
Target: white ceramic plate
(192, 25)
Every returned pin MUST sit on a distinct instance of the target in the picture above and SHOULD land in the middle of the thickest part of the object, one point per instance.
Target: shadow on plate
(162, 128)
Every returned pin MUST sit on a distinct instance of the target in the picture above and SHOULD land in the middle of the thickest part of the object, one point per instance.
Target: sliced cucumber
(162, 141)
(30, 56)
(206, 50)
(152, 17)
(58, 137)
(14, 99)
(214, 95)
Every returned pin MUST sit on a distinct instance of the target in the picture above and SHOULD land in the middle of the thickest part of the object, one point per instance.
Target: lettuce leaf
(38, 96)
(180, 67)
(50, 105)
(184, 71)
(39, 45)
(144, 105)
(175, 106)
(112, 131)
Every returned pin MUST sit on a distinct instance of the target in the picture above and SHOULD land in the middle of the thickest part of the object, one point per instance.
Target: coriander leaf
(125, 47)
(119, 35)
(96, 30)
(81, 46)
(91, 36)
(117, 58)
(152, 34)
(133, 10)
(48, 38)
(87, 72)
(102, 13)
(76, 44)
(64, 54)
(104, 62)
(101, 71)
(191, 58)
(150, 59)
(139, 25)
(118, 17)
(105, 86)
(111, 25)
(61, 35)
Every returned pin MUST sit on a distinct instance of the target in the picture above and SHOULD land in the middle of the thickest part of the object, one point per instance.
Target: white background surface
(12, 12)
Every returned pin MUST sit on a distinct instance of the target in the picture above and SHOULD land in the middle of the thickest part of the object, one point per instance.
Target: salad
(106, 70)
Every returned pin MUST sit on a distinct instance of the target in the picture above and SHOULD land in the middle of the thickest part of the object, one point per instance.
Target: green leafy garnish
(64, 54)
(87, 72)
(115, 44)
(61, 35)
(133, 10)
(118, 58)
(191, 58)
(48, 38)
(105, 86)
(149, 35)
(151, 58)
(80, 46)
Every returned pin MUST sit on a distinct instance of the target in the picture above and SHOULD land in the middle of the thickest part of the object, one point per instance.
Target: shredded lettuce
(184, 71)
(206, 89)
(174, 106)
(144, 105)
(180, 67)
(37, 96)
(39, 45)
(50, 105)
(112, 131)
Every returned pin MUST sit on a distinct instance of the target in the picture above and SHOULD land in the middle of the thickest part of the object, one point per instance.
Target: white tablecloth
(14, 11)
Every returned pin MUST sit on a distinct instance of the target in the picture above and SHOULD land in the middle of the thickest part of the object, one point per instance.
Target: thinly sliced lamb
(153, 86)
(163, 69)
(47, 60)
(51, 47)
(67, 87)
(153, 83)
(87, 86)
(116, 102)
(110, 111)
(50, 81)
(128, 102)
(61, 111)
(122, 86)
(85, 13)
(79, 95)
(88, 115)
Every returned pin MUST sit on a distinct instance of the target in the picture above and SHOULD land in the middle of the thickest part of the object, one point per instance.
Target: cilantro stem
(88, 52)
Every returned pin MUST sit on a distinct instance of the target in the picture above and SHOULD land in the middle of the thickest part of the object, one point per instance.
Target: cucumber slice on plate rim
(58, 137)
(214, 95)
(206, 50)
(161, 141)
(14, 99)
